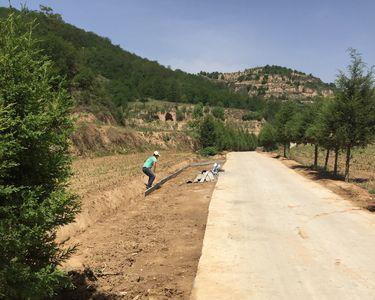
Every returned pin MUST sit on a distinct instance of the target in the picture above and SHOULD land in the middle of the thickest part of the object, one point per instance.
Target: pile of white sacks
(207, 176)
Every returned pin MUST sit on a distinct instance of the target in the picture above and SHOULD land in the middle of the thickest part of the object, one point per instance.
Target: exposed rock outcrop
(274, 82)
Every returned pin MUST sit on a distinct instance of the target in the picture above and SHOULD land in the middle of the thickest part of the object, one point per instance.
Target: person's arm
(155, 166)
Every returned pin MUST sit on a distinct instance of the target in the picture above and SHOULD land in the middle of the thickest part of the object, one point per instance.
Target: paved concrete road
(273, 234)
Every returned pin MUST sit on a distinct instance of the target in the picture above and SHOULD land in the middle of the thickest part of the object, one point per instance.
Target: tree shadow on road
(319, 173)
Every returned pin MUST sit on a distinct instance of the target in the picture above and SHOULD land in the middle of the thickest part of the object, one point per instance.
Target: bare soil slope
(147, 248)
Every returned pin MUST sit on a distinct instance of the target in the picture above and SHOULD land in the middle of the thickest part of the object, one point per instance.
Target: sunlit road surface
(273, 234)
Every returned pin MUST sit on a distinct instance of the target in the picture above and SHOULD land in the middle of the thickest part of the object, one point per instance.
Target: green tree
(207, 132)
(34, 166)
(325, 130)
(198, 111)
(267, 137)
(309, 128)
(283, 116)
(355, 106)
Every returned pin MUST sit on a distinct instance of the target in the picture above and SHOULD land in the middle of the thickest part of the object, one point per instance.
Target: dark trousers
(150, 174)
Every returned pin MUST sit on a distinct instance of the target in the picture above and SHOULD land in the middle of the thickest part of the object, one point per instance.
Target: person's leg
(151, 176)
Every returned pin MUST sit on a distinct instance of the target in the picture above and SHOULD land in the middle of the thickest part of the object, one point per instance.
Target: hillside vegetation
(274, 82)
(103, 75)
(153, 124)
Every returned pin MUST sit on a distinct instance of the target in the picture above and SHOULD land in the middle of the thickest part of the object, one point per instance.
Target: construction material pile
(208, 176)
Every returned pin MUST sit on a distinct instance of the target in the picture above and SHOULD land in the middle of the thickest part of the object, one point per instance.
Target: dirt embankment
(95, 135)
(129, 246)
(108, 183)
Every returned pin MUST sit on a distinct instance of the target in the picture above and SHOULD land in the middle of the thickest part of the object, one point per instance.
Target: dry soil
(148, 247)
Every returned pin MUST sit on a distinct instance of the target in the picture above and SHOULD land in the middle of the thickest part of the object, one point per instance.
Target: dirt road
(273, 234)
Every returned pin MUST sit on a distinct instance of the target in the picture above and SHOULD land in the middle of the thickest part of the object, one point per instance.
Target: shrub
(218, 112)
(180, 115)
(208, 151)
(252, 115)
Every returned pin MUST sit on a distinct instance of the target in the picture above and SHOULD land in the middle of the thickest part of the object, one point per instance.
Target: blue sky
(230, 35)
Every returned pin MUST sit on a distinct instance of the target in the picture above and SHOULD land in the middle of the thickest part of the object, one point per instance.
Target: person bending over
(147, 168)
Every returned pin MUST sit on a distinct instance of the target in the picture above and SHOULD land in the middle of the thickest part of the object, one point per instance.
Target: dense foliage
(215, 134)
(267, 137)
(34, 166)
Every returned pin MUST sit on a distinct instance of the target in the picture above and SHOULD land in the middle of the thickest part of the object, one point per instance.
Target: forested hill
(102, 74)
(274, 82)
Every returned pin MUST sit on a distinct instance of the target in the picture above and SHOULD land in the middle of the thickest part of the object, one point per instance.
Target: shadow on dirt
(319, 173)
(85, 288)
(371, 207)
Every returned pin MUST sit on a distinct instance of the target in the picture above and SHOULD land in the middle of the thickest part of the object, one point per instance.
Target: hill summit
(274, 82)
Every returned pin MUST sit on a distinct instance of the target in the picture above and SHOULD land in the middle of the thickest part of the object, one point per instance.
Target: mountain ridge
(272, 81)
(103, 76)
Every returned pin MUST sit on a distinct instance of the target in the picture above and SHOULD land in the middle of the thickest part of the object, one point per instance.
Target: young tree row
(338, 124)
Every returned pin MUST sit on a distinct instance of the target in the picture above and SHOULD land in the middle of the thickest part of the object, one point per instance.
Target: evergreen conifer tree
(34, 166)
(354, 107)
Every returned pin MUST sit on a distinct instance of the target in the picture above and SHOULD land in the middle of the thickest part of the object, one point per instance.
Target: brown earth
(106, 183)
(136, 247)
(93, 135)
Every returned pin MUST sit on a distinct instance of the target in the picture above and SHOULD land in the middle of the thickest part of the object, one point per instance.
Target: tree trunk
(326, 161)
(347, 163)
(285, 150)
(336, 160)
(316, 156)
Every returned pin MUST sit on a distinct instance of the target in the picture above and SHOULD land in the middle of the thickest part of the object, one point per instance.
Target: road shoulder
(356, 195)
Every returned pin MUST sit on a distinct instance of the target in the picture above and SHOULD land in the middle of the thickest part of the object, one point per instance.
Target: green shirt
(150, 162)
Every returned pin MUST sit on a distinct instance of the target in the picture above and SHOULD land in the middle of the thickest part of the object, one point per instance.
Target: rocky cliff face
(274, 82)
